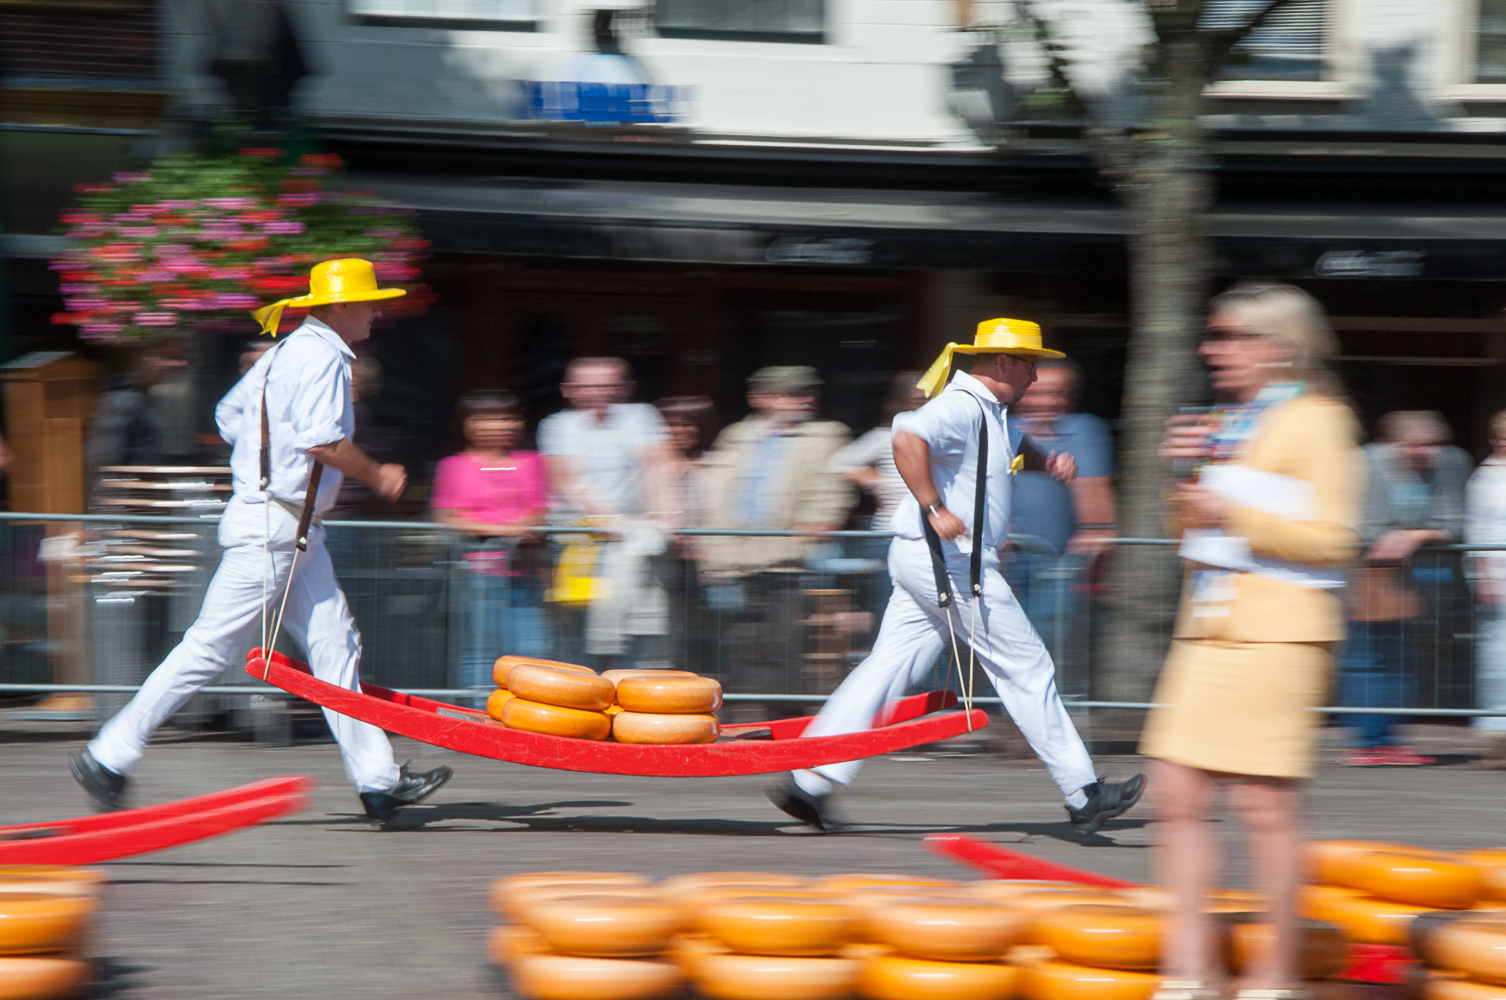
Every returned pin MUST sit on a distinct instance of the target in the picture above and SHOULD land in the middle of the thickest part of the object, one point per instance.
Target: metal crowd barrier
(91, 603)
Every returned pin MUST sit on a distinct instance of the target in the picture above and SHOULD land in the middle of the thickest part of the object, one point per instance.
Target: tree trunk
(1170, 271)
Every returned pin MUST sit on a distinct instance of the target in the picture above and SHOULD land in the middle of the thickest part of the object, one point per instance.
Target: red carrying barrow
(751, 748)
(104, 837)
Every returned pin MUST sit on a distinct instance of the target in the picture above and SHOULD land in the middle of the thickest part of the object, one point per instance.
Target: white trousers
(914, 633)
(229, 624)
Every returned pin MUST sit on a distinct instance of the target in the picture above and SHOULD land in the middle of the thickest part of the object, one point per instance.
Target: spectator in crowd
(1059, 528)
(1485, 524)
(609, 461)
(1414, 497)
(123, 429)
(771, 470)
(253, 352)
(497, 494)
(869, 460)
(357, 501)
(1253, 646)
(692, 424)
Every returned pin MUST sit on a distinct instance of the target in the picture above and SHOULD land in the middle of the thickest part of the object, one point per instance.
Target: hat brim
(1033, 352)
(307, 301)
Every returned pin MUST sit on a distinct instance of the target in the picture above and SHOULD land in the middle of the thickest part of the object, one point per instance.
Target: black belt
(933, 540)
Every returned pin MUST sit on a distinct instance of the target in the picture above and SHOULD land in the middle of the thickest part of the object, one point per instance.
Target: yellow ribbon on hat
(349, 279)
(995, 336)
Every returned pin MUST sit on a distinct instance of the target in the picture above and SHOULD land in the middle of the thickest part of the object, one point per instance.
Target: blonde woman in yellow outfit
(1267, 527)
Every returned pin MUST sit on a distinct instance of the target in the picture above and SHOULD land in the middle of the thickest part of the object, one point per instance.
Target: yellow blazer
(1312, 438)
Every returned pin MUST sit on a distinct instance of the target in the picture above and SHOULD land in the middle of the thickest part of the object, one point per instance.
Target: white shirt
(610, 452)
(308, 404)
(1485, 518)
(948, 424)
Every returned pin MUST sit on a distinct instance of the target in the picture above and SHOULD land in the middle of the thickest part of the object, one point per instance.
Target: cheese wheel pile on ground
(1374, 890)
(46, 914)
(944, 947)
(1466, 952)
(585, 935)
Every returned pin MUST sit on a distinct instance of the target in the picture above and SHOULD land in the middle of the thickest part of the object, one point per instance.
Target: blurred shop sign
(808, 250)
(1370, 264)
(626, 103)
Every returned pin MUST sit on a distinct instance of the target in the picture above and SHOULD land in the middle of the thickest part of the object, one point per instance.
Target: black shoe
(1106, 799)
(104, 786)
(807, 808)
(410, 788)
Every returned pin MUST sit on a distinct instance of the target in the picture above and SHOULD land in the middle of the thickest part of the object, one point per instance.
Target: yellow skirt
(1239, 707)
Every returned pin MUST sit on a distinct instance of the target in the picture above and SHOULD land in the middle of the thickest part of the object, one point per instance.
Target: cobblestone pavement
(323, 905)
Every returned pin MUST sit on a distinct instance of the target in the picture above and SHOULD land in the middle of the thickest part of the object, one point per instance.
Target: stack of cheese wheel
(771, 941)
(665, 706)
(1101, 950)
(45, 917)
(946, 946)
(1492, 866)
(1373, 890)
(585, 936)
(1464, 955)
(556, 699)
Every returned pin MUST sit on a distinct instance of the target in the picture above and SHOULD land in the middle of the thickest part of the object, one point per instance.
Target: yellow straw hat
(349, 279)
(995, 336)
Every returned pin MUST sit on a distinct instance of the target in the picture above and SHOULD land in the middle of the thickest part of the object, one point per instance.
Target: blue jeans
(1375, 674)
(505, 615)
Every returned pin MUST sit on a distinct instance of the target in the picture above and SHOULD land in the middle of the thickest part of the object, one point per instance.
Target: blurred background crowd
(671, 267)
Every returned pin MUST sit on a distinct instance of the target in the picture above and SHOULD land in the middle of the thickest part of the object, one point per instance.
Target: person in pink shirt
(497, 494)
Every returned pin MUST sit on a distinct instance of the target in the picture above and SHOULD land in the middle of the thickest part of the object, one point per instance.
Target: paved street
(322, 905)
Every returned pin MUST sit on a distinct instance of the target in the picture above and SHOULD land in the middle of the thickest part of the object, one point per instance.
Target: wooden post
(49, 397)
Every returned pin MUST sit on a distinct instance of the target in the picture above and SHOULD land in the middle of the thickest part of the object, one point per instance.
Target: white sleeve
(319, 397)
(866, 452)
(552, 440)
(938, 423)
(230, 413)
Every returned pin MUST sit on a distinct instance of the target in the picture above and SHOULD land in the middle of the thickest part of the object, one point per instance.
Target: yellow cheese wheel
(42, 977)
(616, 925)
(695, 903)
(1310, 896)
(864, 950)
(1328, 861)
(946, 928)
(789, 926)
(669, 695)
(553, 686)
(846, 883)
(1365, 919)
(1322, 950)
(1434, 882)
(555, 720)
(1449, 988)
(616, 675)
(1103, 936)
(496, 700)
(504, 666)
(506, 891)
(686, 951)
(1473, 945)
(32, 922)
(1007, 888)
(1041, 901)
(896, 977)
(571, 977)
(1160, 898)
(1028, 954)
(767, 977)
(1058, 980)
(644, 727)
(677, 884)
(507, 941)
(1492, 865)
(52, 878)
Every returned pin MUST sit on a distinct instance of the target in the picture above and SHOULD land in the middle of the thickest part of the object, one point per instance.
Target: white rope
(972, 658)
(283, 607)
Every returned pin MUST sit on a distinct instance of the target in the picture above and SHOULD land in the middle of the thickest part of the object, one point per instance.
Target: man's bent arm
(912, 459)
(388, 480)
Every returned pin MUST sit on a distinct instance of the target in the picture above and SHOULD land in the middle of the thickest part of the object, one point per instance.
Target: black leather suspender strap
(980, 501)
(305, 516)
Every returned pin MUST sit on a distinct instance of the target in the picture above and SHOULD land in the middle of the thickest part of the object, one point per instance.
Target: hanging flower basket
(197, 243)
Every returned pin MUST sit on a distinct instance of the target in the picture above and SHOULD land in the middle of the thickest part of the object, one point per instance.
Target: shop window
(1490, 41)
(747, 20)
(1288, 46)
(517, 15)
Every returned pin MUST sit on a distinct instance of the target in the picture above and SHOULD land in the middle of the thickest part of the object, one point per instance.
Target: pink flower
(130, 177)
(231, 204)
(283, 228)
(156, 319)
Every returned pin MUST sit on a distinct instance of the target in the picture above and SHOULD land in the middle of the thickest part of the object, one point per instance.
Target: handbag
(1381, 594)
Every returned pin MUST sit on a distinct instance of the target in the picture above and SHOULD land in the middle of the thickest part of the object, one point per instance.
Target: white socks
(1077, 799)
(812, 783)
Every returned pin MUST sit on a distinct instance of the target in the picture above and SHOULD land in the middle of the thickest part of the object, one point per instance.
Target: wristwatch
(933, 508)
